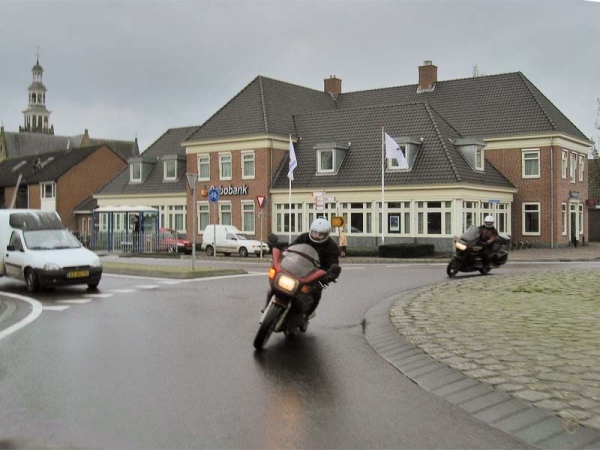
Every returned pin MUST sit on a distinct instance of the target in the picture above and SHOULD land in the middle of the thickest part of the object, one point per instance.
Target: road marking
(55, 308)
(170, 282)
(99, 295)
(147, 286)
(76, 302)
(34, 314)
(123, 291)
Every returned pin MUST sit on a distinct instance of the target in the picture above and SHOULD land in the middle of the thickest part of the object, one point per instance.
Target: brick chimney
(333, 85)
(427, 77)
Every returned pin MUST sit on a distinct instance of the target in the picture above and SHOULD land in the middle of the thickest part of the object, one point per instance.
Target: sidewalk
(533, 337)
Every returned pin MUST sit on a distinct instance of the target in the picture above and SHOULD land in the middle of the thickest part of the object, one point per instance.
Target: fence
(123, 241)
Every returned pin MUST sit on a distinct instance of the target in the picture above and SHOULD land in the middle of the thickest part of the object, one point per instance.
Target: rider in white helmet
(329, 254)
(487, 236)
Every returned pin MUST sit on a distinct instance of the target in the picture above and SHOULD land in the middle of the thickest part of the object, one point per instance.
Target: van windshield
(50, 240)
(242, 237)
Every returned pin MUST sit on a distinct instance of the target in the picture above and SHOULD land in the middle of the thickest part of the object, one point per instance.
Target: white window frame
(320, 152)
(224, 210)
(539, 216)
(132, 177)
(225, 159)
(166, 165)
(580, 218)
(43, 187)
(173, 212)
(203, 212)
(581, 167)
(424, 208)
(286, 218)
(248, 207)
(203, 161)
(573, 167)
(565, 217)
(479, 158)
(564, 164)
(526, 155)
(248, 157)
(394, 164)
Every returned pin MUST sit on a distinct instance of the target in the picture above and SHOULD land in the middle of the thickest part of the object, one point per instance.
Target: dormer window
(135, 172)
(330, 157)
(473, 150)
(409, 146)
(170, 168)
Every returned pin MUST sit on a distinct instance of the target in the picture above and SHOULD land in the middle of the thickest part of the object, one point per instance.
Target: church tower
(37, 117)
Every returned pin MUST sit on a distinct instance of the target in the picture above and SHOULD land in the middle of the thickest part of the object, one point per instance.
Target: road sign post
(192, 178)
(260, 199)
(213, 197)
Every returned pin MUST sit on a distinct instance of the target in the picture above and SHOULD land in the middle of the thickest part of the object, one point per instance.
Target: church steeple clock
(37, 117)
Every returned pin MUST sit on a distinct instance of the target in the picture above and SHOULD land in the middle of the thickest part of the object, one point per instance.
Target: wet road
(154, 363)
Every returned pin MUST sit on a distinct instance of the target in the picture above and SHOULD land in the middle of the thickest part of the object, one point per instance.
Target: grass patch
(167, 271)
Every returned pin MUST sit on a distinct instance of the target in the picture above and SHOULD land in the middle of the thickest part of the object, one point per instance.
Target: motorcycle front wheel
(452, 268)
(267, 326)
(485, 270)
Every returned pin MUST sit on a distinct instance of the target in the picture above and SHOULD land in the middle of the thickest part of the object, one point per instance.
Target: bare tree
(594, 160)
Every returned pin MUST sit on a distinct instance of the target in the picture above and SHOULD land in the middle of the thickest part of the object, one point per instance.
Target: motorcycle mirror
(335, 269)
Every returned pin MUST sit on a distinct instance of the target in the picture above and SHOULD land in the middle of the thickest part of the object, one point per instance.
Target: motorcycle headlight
(286, 284)
(51, 266)
(461, 246)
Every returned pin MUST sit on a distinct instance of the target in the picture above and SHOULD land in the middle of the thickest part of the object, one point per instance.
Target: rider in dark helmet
(329, 256)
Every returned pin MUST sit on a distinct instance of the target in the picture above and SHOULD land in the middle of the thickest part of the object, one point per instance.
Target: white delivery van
(36, 248)
(227, 239)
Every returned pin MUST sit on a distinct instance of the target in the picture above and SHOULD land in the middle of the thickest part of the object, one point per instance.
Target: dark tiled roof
(88, 205)
(55, 164)
(125, 149)
(594, 179)
(167, 144)
(24, 144)
(438, 160)
(487, 106)
(263, 106)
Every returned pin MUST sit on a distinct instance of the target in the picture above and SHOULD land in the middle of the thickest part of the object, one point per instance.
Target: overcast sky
(128, 68)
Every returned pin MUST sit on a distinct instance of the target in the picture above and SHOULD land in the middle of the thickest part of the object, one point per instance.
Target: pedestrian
(343, 243)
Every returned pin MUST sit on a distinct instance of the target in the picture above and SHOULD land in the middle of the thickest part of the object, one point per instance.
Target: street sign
(260, 199)
(494, 201)
(337, 221)
(192, 178)
(213, 195)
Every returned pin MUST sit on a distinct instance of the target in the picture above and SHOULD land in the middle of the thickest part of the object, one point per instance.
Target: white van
(227, 239)
(37, 249)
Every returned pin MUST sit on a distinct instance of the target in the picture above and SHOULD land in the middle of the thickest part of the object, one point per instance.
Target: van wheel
(243, 252)
(32, 282)
(209, 250)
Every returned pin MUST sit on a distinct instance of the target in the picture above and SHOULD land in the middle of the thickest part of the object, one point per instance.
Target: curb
(524, 421)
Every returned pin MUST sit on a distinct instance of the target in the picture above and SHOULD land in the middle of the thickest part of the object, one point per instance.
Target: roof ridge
(546, 115)
(437, 82)
(528, 82)
(291, 84)
(428, 109)
(263, 104)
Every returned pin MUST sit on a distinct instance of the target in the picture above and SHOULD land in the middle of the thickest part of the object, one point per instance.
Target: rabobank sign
(232, 190)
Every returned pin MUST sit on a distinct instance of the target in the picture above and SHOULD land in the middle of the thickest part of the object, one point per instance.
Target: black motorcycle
(469, 254)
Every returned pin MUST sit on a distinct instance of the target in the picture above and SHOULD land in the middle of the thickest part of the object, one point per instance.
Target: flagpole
(290, 212)
(382, 184)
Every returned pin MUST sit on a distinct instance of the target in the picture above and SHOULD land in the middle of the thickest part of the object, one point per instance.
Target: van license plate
(78, 274)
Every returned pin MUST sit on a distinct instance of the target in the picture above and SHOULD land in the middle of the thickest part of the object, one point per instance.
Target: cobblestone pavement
(534, 336)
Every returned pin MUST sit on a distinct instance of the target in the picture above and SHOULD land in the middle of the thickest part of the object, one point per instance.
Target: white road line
(99, 295)
(170, 282)
(76, 302)
(147, 286)
(123, 291)
(55, 308)
(34, 314)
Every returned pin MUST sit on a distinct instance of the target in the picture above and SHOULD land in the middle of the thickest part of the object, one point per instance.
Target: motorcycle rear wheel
(452, 269)
(267, 326)
(485, 270)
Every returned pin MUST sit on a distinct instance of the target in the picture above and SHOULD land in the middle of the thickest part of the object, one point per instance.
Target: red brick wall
(509, 163)
(266, 162)
(82, 180)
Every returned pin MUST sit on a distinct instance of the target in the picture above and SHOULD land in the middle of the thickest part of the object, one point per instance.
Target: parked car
(227, 239)
(170, 241)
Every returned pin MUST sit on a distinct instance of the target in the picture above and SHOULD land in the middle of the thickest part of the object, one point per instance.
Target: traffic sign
(260, 199)
(213, 195)
(337, 221)
(192, 178)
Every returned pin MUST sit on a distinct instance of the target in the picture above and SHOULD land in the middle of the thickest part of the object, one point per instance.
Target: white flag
(392, 150)
(293, 161)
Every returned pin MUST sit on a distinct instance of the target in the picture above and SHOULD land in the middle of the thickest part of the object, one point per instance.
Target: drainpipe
(551, 194)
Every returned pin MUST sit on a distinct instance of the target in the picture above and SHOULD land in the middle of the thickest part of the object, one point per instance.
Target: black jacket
(328, 251)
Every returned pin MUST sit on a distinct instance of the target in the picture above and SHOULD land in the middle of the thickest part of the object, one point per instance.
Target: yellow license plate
(78, 274)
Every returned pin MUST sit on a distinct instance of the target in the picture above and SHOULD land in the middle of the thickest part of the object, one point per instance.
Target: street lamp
(192, 178)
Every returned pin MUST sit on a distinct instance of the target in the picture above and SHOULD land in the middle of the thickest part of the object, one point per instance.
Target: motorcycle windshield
(300, 260)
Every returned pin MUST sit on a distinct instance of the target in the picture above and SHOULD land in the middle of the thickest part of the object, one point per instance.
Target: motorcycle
(294, 276)
(469, 253)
